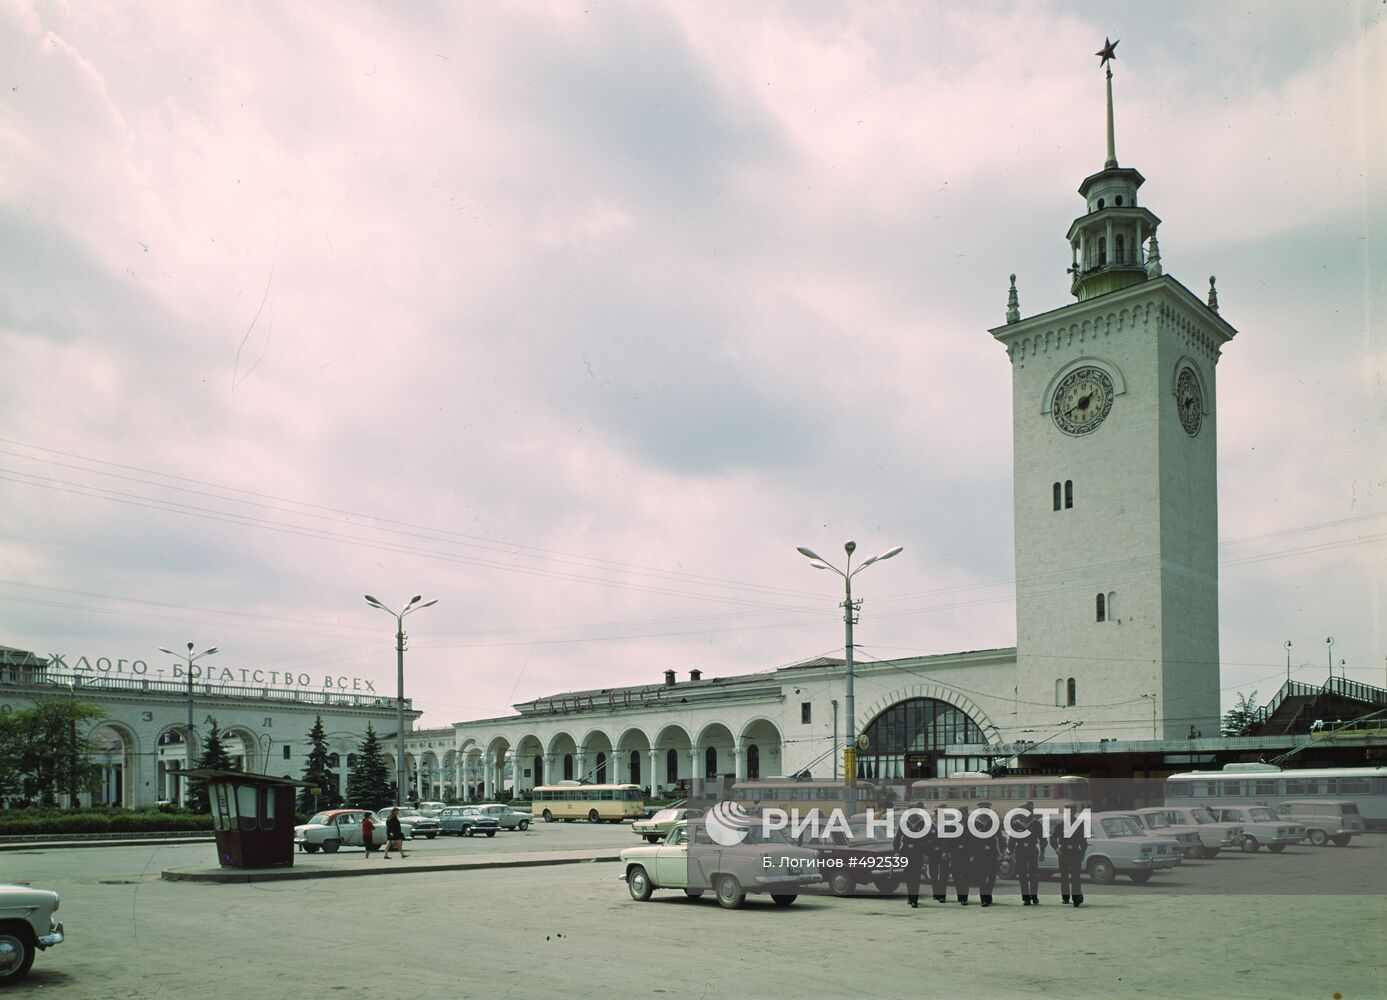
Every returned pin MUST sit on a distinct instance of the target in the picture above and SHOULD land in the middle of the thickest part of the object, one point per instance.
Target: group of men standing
(973, 859)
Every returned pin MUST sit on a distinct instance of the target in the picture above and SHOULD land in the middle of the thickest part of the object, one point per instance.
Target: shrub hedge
(32, 822)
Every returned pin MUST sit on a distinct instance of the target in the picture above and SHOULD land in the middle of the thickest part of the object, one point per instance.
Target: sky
(580, 317)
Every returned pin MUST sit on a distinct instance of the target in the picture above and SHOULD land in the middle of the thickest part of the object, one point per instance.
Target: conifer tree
(369, 785)
(214, 755)
(317, 772)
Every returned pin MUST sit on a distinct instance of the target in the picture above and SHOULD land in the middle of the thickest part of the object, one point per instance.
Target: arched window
(1112, 605)
(1102, 250)
(1102, 608)
(1057, 496)
(1117, 248)
(907, 739)
(538, 770)
(568, 767)
(1059, 691)
(753, 761)
(635, 767)
(1118, 200)
(1101, 203)
(1072, 692)
(1068, 493)
(601, 768)
(672, 767)
(710, 763)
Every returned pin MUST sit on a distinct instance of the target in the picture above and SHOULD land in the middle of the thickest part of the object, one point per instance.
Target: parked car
(467, 821)
(431, 808)
(412, 822)
(656, 827)
(1119, 845)
(334, 828)
(507, 817)
(1157, 824)
(1260, 827)
(855, 858)
(1214, 834)
(27, 926)
(1324, 820)
(762, 863)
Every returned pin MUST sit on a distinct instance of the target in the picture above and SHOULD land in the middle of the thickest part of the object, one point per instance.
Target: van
(1336, 820)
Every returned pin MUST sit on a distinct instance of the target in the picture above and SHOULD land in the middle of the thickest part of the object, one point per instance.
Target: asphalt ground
(573, 930)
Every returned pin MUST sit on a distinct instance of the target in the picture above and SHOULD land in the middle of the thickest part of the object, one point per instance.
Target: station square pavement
(555, 921)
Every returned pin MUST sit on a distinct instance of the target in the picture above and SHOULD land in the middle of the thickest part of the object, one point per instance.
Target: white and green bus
(594, 803)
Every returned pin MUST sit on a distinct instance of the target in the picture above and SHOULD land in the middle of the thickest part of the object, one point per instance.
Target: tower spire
(1107, 54)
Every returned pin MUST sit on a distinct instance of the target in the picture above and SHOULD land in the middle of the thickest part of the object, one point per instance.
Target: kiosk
(252, 817)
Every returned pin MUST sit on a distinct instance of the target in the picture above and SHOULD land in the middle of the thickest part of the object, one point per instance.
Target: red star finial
(1106, 52)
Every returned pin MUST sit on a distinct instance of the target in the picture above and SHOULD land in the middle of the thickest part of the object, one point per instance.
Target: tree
(44, 753)
(214, 756)
(1238, 719)
(318, 772)
(368, 784)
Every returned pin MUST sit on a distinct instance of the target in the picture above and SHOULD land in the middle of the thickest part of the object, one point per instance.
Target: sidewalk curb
(47, 845)
(232, 875)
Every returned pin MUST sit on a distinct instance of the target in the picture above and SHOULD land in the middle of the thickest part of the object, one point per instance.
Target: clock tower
(1114, 425)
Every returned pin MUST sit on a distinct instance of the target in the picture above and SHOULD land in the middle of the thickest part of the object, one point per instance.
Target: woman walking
(394, 833)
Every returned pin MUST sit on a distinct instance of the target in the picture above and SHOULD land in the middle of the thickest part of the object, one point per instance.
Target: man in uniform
(1027, 848)
(987, 850)
(1069, 852)
(937, 855)
(962, 851)
(909, 843)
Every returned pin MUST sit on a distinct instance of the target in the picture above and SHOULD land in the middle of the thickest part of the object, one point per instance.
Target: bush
(33, 822)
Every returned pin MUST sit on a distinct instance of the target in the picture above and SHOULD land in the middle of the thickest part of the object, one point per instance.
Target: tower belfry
(1109, 240)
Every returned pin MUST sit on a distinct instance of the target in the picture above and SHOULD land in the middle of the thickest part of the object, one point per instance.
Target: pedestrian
(394, 833)
(987, 852)
(1027, 848)
(1069, 852)
(910, 846)
(368, 833)
(937, 857)
(961, 859)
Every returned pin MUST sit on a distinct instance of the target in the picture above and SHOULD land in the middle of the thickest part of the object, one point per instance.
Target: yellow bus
(594, 803)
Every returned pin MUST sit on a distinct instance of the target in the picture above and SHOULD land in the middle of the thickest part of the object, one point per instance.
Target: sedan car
(657, 826)
(466, 821)
(1118, 845)
(412, 822)
(1261, 827)
(27, 926)
(1214, 834)
(332, 829)
(1155, 823)
(508, 818)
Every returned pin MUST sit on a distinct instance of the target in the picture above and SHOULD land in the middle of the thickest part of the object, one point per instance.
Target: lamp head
(849, 546)
(429, 604)
(372, 601)
(891, 554)
(415, 599)
(169, 651)
(210, 651)
(190, 647)
(808, 553)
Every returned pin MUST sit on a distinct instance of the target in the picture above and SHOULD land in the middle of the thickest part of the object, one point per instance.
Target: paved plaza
(571, 929)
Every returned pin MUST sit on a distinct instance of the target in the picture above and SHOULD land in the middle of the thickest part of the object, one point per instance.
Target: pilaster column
(580, 765)
(695, 772)
(548, 775)
(739, 763)
(655, 778)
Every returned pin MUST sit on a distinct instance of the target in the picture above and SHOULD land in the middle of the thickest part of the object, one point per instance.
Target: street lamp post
(1288, 662)
(412, 606)
(188, 739)
(850, 608)
(1329, 649)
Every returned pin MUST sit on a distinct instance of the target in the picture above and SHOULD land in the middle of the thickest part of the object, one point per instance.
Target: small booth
(252, 816)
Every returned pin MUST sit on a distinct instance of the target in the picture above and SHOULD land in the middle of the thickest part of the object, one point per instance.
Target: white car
(27, 926)
(1157, 824)
(506, 817)
(1214, 834)
(335, 828)
(413, 823)
(1261, 827)
(431, 808)
(1324, 820)
(1119, 845)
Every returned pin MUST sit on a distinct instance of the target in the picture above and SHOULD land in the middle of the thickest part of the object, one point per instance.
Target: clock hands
(1082, 404)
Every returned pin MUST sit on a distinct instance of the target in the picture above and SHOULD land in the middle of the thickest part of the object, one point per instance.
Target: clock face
(1189, 401)
(1082, 400)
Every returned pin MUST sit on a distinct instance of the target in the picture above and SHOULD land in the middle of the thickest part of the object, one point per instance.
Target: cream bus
(594, 803)
(968, 788)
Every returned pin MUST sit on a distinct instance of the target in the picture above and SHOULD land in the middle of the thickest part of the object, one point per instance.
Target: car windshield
(1203, 816)
(665, 815)
(1262, 815)
(1350, 809)
(319, 820)
(1120, 826)
(1155, 821)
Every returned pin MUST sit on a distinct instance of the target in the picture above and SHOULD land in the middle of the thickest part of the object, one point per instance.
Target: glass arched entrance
(907, 741)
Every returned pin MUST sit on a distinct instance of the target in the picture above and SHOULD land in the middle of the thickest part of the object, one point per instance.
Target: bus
(970, 788)
(594, 803)
(1269, 785)
(807, 795)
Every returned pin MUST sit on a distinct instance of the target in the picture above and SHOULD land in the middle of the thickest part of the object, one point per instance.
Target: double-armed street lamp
(191, 658)
(850, 609)
(412, 606)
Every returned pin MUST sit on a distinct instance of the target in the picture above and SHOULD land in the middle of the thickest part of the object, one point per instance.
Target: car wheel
(593, 817)
(430, 836)
(491, 833)
(16, 953)
(330, 846)
(653, 838)
(841, 884)
(730, 894)
(1193, 853)
(548, 816)
(1101, 871)
(1318, 838)
(1006, 868)
(1140, 878)
(467, 831)
(311, 848)
(639, 884)
(886, 886)
(694, 893)
(783, 900)
(1276, 848)
(1250, 845)
(1343, 840)
(523, 825)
